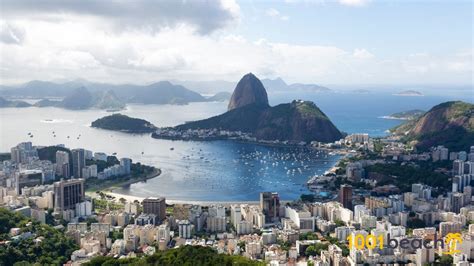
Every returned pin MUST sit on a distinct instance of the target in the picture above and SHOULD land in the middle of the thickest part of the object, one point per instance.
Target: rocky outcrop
(164, 92)
(298, 121)
(450, 124)
(295, 121)
(220, 97)
(249, 90)
(108, 100)
(79, 99)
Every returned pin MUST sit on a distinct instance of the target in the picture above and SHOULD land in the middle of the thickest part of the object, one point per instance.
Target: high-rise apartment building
(126, 164)
(67, 193)
(78, 162)
(270, 205)
(345, 196)
(62, 164)
(156, 206)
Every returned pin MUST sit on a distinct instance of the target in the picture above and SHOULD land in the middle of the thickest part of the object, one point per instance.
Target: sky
(347, 42)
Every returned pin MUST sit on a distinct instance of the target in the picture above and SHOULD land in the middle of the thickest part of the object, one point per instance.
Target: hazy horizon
(318, 42)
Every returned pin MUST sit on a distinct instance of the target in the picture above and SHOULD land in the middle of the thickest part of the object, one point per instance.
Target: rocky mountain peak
(249, 90)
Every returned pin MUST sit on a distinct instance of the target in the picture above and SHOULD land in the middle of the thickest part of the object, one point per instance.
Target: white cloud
(11, 34)
(362, 54)
(272, 12)
(86, 47)
(354, 2)
(204, 16)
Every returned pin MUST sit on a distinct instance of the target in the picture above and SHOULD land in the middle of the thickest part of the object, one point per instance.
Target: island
(4, 103)
(409, 93)
(251, 118)
(406, 115)
(220, 97)
(361, 91)
(123, 123)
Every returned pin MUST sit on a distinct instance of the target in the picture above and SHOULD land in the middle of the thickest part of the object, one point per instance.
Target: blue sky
(388, 28)
(347, 42)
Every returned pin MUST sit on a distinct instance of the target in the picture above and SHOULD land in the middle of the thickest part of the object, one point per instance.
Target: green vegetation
(102, 205)
(49, 153)
(378, 146)
(285, 245)
(408, 115)
(403, 176)
(124, 123)
(454, 138)
(101, 165)
(339, 223)
(445, 260)
(185, 256)
(355, 184)
(447, 124)
(308, 236)
(54, 248)
(309, 109)
(316, 249)
(114, 235)
(415, 223)
(297, 121)
(138, 172)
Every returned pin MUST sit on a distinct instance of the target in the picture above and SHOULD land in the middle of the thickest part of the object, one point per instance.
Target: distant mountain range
(7, 103)
(279, 85)
(250, 112)
(409, 93)
(450, 124)
(272, 86)
(77, 99)
(82, 94)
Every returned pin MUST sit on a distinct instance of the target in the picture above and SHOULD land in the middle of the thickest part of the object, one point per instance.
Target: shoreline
(257, 142)
(394, 118)
(131, 198)
(110, 190)
(110, 187)
(209, 139)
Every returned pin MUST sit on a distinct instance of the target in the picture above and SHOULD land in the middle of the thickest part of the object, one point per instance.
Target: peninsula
(405, 115)
(250, 117)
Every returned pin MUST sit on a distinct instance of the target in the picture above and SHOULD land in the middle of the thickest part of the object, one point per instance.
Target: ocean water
(208, 171)
(361, 113)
